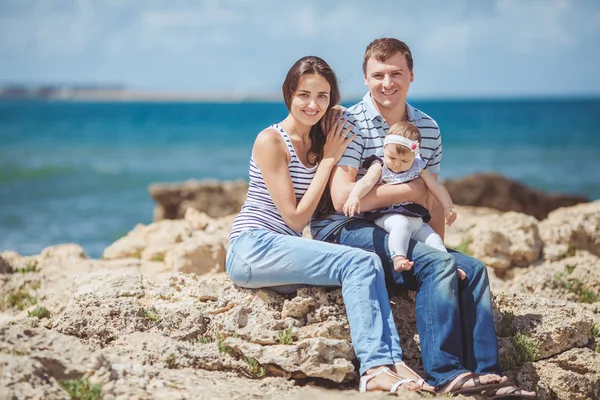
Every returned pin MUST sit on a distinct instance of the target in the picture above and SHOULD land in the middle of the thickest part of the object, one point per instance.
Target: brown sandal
(514, 392)
(477, 388)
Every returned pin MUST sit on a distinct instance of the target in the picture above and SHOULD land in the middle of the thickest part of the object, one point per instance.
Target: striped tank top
(258, 210)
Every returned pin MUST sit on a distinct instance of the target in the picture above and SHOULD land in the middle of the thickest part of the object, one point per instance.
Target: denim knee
(363, 262)
(443, 264)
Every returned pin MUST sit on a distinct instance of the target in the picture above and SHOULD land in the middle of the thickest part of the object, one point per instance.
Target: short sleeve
(353, 153)
(434, 163)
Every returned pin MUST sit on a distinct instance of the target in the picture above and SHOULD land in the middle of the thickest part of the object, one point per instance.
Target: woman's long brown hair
(317, 66)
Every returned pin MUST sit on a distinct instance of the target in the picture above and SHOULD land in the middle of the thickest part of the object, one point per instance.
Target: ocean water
(79, 172)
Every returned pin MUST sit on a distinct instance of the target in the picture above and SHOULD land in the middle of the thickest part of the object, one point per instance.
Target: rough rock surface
(571, 228)
(505, 241)
(195, 244)
(496, 191)
(141, 329)
(574, 374)
(217, 199)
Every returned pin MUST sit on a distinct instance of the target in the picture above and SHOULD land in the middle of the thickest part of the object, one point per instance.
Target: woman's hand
(337, 140)
(331, 117)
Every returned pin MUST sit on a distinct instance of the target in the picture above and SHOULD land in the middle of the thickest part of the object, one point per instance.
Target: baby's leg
(399, 228)
(427, 235)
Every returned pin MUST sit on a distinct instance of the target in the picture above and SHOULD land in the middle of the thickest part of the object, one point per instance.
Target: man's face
(388, 81)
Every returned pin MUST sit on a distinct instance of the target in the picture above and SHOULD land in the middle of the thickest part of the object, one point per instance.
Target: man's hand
(330, 118)
(352, 206)
(419, 191)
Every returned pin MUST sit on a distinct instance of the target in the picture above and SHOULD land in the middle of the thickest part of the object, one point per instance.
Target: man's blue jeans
(259, 258)
(454, 317)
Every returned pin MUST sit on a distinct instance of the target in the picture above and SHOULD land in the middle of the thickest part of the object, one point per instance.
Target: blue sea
(79, 172)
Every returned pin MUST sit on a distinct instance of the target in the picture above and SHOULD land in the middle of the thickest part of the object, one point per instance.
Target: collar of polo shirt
(372, 112)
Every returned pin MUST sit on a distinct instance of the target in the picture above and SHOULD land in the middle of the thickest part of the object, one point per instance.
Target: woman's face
(311, 99)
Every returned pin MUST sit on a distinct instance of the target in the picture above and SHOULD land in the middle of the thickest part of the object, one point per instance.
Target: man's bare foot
(384, 380)
(401, 263)
(405, 372)
(483, 380)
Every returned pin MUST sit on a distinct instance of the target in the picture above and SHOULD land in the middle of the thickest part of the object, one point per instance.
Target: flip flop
(478, 388)
(420, 382)
(513, 393)
(362, 388)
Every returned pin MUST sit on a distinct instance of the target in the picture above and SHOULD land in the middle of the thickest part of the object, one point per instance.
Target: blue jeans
(454, 317)
(259, 258)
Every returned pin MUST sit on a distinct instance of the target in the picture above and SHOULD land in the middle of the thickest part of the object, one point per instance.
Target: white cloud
(264, 36)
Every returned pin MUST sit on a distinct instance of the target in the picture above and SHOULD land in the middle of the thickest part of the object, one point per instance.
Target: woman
(289, 169)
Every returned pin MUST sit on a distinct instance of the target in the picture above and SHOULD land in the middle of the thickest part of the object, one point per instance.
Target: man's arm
(343, 179)
(437, 213)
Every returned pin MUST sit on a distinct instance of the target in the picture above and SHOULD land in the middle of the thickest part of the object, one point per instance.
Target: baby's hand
(352, 206)
(450, 215)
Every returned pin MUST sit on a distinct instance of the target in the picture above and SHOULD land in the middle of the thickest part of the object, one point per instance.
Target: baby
(402, 163)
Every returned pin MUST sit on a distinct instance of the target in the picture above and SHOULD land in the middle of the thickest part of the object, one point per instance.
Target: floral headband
(412, 145)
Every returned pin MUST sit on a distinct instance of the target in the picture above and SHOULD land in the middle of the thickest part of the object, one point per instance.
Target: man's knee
(441, 264)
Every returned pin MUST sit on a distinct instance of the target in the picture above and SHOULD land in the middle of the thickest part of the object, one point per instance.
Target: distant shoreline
(119, 94)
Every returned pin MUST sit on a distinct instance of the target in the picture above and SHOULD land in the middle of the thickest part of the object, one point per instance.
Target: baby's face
(397, 162)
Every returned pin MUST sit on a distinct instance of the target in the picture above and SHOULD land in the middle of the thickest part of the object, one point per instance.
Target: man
(454, 317)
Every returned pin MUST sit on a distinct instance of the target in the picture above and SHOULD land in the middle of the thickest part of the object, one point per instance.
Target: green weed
(505, 328)
(137, 254)
(463, 247)
(523, 349)
(222, 348)
(171, 361)
(570, 268)
(151, 315)
(574, 285)
(158, 257)
(30, 267)
(82, 389)
(39, 312)
(20, 299)
(254, 369)
(285, 336)
(203, 340)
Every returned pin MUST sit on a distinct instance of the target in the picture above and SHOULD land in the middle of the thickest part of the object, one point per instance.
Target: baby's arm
(441, 194)
(361, 188)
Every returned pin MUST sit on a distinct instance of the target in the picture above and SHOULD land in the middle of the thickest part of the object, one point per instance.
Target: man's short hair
(383, 48)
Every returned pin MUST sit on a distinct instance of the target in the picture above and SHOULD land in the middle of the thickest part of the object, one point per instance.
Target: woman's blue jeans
(454, 317)
(259, 258)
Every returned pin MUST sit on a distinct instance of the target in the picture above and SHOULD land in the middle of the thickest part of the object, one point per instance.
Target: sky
(461, 48)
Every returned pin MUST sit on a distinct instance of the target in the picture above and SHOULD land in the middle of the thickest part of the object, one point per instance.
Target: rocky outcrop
(215, 198)
(574, 374)
(139, 325)
(496, 191)
(195, 244)
(568, 229)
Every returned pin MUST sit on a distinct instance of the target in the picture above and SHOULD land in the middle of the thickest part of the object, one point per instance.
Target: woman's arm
(272, 157)
(361, 188)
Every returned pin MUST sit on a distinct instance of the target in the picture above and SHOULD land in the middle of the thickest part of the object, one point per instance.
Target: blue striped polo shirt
(258, 210)
(370, 129)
